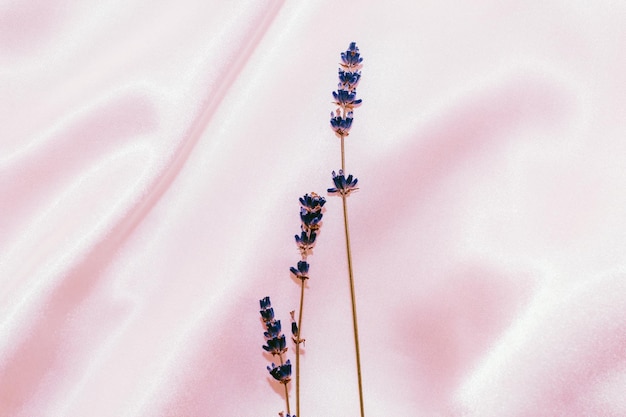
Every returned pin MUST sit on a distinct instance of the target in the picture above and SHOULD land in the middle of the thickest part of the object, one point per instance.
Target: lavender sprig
(310, 216)
(341, 122)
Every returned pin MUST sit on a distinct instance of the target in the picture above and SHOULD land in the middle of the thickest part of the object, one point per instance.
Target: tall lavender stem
(341, 122)
(310, 216)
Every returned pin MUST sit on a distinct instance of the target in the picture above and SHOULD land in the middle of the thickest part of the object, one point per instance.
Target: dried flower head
(305, 241)
(312, 202)
(281, 373)
(351, 59)
(276, 345)
(348, 80)
(341, 125)
(346, 99)
(343, 185)
(302, 271)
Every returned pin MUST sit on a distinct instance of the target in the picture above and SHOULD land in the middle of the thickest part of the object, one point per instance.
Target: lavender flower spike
(345, 96)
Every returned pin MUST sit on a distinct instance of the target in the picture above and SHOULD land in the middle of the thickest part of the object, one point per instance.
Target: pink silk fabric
(151, 158)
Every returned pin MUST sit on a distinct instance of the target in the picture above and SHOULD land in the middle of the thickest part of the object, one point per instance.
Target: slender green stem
(298, 341)
(351, 277)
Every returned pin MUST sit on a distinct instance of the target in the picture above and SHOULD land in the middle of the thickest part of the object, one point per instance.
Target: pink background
(152, 154)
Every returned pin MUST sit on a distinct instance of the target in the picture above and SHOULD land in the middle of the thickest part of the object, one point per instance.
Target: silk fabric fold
(151, 158)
